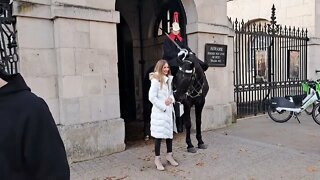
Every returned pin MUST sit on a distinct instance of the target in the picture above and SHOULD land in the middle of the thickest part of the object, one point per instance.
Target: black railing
(270, 61)
(8, 43)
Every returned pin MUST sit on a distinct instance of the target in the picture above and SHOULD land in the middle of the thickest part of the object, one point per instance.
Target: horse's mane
(194, 59)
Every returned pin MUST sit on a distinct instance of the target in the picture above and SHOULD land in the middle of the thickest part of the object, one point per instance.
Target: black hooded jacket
(170, 53)
(170, 50)
(30, 145)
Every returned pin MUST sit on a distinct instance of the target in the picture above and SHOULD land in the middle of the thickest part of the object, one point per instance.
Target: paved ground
(254, 148)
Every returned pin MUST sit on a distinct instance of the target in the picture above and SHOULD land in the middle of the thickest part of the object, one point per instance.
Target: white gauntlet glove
(183, 54)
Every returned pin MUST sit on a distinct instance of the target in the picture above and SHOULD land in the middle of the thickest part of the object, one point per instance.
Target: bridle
(192, 91)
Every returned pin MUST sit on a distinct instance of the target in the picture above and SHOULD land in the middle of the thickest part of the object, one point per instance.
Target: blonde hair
(158, 74)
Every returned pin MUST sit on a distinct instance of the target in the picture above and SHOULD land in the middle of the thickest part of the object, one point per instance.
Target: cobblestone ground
(234, 153)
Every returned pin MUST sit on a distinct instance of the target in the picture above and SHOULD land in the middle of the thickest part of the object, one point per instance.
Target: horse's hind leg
(198, 111)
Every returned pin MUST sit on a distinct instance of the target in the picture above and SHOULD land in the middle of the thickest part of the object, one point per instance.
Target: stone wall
(68, 55)
(314, 45)
(297, 13)
(208, 23)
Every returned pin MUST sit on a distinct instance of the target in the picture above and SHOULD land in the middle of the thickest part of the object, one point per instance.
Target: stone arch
(257, 21)
(206, 11)
(190, 10)
(154, 20)
(206, 22)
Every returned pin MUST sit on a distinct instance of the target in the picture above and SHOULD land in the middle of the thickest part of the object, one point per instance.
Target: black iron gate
(270, 61)
(8, 43)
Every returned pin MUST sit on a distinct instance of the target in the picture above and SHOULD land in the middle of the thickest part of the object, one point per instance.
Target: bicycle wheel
(309, 109)
(279, 116)
(316, 113)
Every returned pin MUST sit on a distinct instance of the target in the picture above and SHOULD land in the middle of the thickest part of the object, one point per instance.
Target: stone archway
(143, 18)
(206, 22)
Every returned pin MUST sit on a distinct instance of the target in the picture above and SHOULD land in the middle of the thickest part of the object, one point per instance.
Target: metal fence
(270, 61)
(8, 43)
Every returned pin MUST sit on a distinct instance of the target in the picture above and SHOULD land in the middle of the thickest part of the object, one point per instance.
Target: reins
(193, 88)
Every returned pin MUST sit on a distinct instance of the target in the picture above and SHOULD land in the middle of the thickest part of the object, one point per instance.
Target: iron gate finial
(273, 27)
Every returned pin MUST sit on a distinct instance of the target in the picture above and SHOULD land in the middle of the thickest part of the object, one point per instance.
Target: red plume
(176, 17)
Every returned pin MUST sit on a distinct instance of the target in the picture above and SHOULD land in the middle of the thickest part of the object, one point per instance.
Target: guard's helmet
(175, 24)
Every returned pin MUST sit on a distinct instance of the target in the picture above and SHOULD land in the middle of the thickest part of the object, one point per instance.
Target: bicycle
(306, 89)
(286, 107)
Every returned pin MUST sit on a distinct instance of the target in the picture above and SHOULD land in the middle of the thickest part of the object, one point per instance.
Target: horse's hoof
(192, 150)
(202, 146)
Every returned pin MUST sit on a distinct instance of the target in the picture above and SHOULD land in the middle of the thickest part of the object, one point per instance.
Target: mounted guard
(173, 44)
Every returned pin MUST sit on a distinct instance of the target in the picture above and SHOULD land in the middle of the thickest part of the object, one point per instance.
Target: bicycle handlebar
(311, 83)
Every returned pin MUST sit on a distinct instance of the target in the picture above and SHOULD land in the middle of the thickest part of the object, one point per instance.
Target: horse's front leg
(198, 110)
(187, 118)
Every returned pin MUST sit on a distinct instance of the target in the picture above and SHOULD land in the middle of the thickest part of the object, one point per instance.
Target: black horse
(191, 87)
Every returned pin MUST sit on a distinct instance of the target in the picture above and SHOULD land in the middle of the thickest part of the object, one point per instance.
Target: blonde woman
(162, 114)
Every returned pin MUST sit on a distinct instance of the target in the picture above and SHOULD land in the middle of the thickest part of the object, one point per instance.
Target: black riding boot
(146, 117)
(179, 120)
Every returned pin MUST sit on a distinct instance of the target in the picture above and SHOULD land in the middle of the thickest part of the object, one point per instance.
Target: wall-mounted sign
(216, 55)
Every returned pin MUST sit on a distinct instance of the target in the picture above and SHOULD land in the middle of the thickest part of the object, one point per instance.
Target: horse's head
(184, 78)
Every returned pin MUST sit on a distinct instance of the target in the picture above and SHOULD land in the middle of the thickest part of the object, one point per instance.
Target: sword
(172, 40)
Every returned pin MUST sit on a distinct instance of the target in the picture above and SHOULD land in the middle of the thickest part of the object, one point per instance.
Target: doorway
(125, 72)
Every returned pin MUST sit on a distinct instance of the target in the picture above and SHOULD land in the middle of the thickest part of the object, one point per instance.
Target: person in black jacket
(170, 49)
(30, 144)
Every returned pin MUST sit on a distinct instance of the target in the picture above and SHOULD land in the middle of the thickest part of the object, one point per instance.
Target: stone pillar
(208, 23)
(313, 64)
(314, 45)
(68, 54)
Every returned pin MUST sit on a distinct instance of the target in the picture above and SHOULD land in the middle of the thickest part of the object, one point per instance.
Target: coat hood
(15, 84)
(155, 75)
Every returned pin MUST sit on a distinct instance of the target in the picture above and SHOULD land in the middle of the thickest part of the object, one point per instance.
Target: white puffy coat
(162, 116)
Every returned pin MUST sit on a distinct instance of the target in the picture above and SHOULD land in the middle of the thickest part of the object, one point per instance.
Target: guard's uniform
(170, 50)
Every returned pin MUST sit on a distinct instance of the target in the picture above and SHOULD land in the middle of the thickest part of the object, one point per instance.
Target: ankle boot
(171, 160)
(158, 163)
